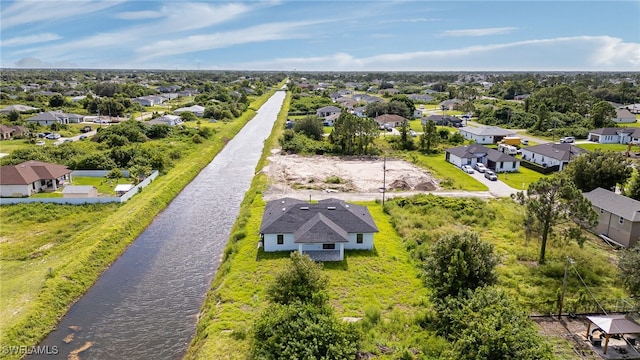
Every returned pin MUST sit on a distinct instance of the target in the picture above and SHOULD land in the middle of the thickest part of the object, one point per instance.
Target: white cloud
(194, 43)
(32, 12)
(31, 39)
(581, 53)
(139, 15)
(477, 32)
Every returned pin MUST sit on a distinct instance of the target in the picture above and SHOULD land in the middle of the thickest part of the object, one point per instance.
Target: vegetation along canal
(145, 305)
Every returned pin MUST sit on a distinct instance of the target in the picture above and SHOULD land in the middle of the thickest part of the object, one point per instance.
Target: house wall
(477, 138)
(367, 242)
(507, 166)
(625, 234)
(271, 243)
(455, 160)
(539, 159)
(15, 190)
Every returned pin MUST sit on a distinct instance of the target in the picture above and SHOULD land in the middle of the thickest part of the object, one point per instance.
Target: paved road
(75, 138)
(496, 188)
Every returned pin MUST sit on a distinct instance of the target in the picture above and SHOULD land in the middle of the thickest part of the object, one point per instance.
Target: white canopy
(615, 324)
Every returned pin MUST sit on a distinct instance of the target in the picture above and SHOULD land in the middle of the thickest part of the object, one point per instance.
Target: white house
(614, 135)
(48, 118)
(485, 135)
(624, 116)
(323, 230)
(618, 216)
(197, 110)
(171, 120)
(31, 177)
(474, 153)
(328, 111)
(550, 154)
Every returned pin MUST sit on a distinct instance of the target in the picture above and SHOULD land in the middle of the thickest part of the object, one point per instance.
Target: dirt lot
(353, 177)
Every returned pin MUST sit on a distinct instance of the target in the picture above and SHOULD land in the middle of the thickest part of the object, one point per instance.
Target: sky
(357, 35)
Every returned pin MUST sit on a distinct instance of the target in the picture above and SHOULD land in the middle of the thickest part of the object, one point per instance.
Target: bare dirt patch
(292, 173)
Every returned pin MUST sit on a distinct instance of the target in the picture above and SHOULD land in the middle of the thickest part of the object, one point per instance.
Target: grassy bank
(51, 254)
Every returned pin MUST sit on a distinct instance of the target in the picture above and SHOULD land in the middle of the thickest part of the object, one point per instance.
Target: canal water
(145, 305)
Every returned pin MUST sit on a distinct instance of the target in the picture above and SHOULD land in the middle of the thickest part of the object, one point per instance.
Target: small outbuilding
(79, 191)
(613, 325)
(122, 189)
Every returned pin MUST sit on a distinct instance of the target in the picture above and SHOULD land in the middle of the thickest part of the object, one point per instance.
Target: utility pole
(384, 179)
(564, 286)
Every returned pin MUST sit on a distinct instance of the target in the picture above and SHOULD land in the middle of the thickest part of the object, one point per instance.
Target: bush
(302, 281)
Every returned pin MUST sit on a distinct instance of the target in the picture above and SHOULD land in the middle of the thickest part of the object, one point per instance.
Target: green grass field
(605, 147)
(520, 180)
(450, 176)
(7, 146)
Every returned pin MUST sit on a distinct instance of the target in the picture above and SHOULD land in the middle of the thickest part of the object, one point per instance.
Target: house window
(359, 238)
(280, 239)
(501, 165)
(621, 221)
(601, 211)
(328, 246)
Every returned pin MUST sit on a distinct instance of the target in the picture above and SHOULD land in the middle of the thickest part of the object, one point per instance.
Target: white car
(40, 143)
(491, 175)
(480, 167)
(567, 140)
(468, 169)
(413, 133)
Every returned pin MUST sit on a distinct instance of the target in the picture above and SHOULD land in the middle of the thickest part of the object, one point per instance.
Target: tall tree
(632, 189)
(599, 168)
(406, 143)
(457, 263)
(301, 281)
(430, 137)
(310, 125)
(353, 135)
(601, 114)
(553, 201)
(629, 270)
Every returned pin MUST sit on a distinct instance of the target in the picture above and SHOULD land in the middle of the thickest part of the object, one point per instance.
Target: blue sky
(323, 35)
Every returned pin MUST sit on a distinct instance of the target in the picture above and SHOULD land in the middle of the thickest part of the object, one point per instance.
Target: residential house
(149, 100)
(329, 120)
(79, 191)
(327, 111)
(31, 177)
(550, 154)
(486, 134)
(19, 108)
(443, 120)
(618, 217)
(75, 118)
(417, 114)
(171, 120)
(420, 97)
(475, 153)
(48, 118)
(393, 119)
(451, 104)
(614, 135)
(633, 108)
(8, 132)
(323, 230)
(360, 112)
(197, 110)
(366, 98)
(624, 116)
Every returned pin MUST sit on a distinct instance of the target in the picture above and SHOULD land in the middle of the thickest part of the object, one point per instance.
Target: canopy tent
(613, 325)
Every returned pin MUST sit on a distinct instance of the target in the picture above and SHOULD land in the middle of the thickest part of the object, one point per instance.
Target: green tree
(406, 142)
(56, 100)
(301, 281)
(311, 126)
(302, 331)
(353, 135)
(553, 201)
(599, 168)
(430, 136)
(457, 263)
(632, 189)
(601, 114)
(13, 116)
(490, 325)
(629, 270)
(188, 116)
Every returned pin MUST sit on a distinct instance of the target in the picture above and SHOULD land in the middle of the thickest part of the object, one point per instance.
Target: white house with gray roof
(322, 230)
(614, 135)
(48, 118)
(475, 153)
(550, 154)
(485, 135)
(618, 217)
(624, 116)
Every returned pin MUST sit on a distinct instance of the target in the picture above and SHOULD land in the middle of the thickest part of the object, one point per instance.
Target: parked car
(53, 136)
(567, 140)
(413, 133)
(67, 140)
(490, 175)
(480, 167)
(82, 137)
(40, 143)
(41, 135)
(524, 142)
(85, 129)
(468, 169)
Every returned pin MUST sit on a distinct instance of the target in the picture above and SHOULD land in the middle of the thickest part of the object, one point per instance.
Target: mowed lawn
(384, 279)
(450, 176)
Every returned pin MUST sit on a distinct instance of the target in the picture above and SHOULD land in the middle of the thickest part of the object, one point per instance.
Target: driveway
(519, 132)
(75, 138)
(496, 188)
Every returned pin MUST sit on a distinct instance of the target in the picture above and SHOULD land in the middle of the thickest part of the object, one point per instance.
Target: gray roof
(320, 229)
(289, 216)
(48, 116)
(617, 204)
(613, 131)
(562, 152)
(488, 131)
(329, 109)
(477, 151)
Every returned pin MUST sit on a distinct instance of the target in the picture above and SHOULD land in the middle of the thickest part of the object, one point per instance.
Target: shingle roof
(477, 151)
(614, 203)
(563, 152)
(613, 131)
(287, 215)
(320, 229)
(488, 131)
(48, 116)
(31, 171)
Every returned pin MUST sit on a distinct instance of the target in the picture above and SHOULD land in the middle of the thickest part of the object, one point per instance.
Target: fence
(538, 168)
(80, 201)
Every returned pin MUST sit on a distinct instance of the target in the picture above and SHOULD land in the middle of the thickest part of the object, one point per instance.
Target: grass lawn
(104, 185)
(605, 147)
(450, 176)
(7, 146)
(520, 180)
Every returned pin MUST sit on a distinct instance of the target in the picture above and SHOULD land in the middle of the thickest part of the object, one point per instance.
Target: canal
(145, 305)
